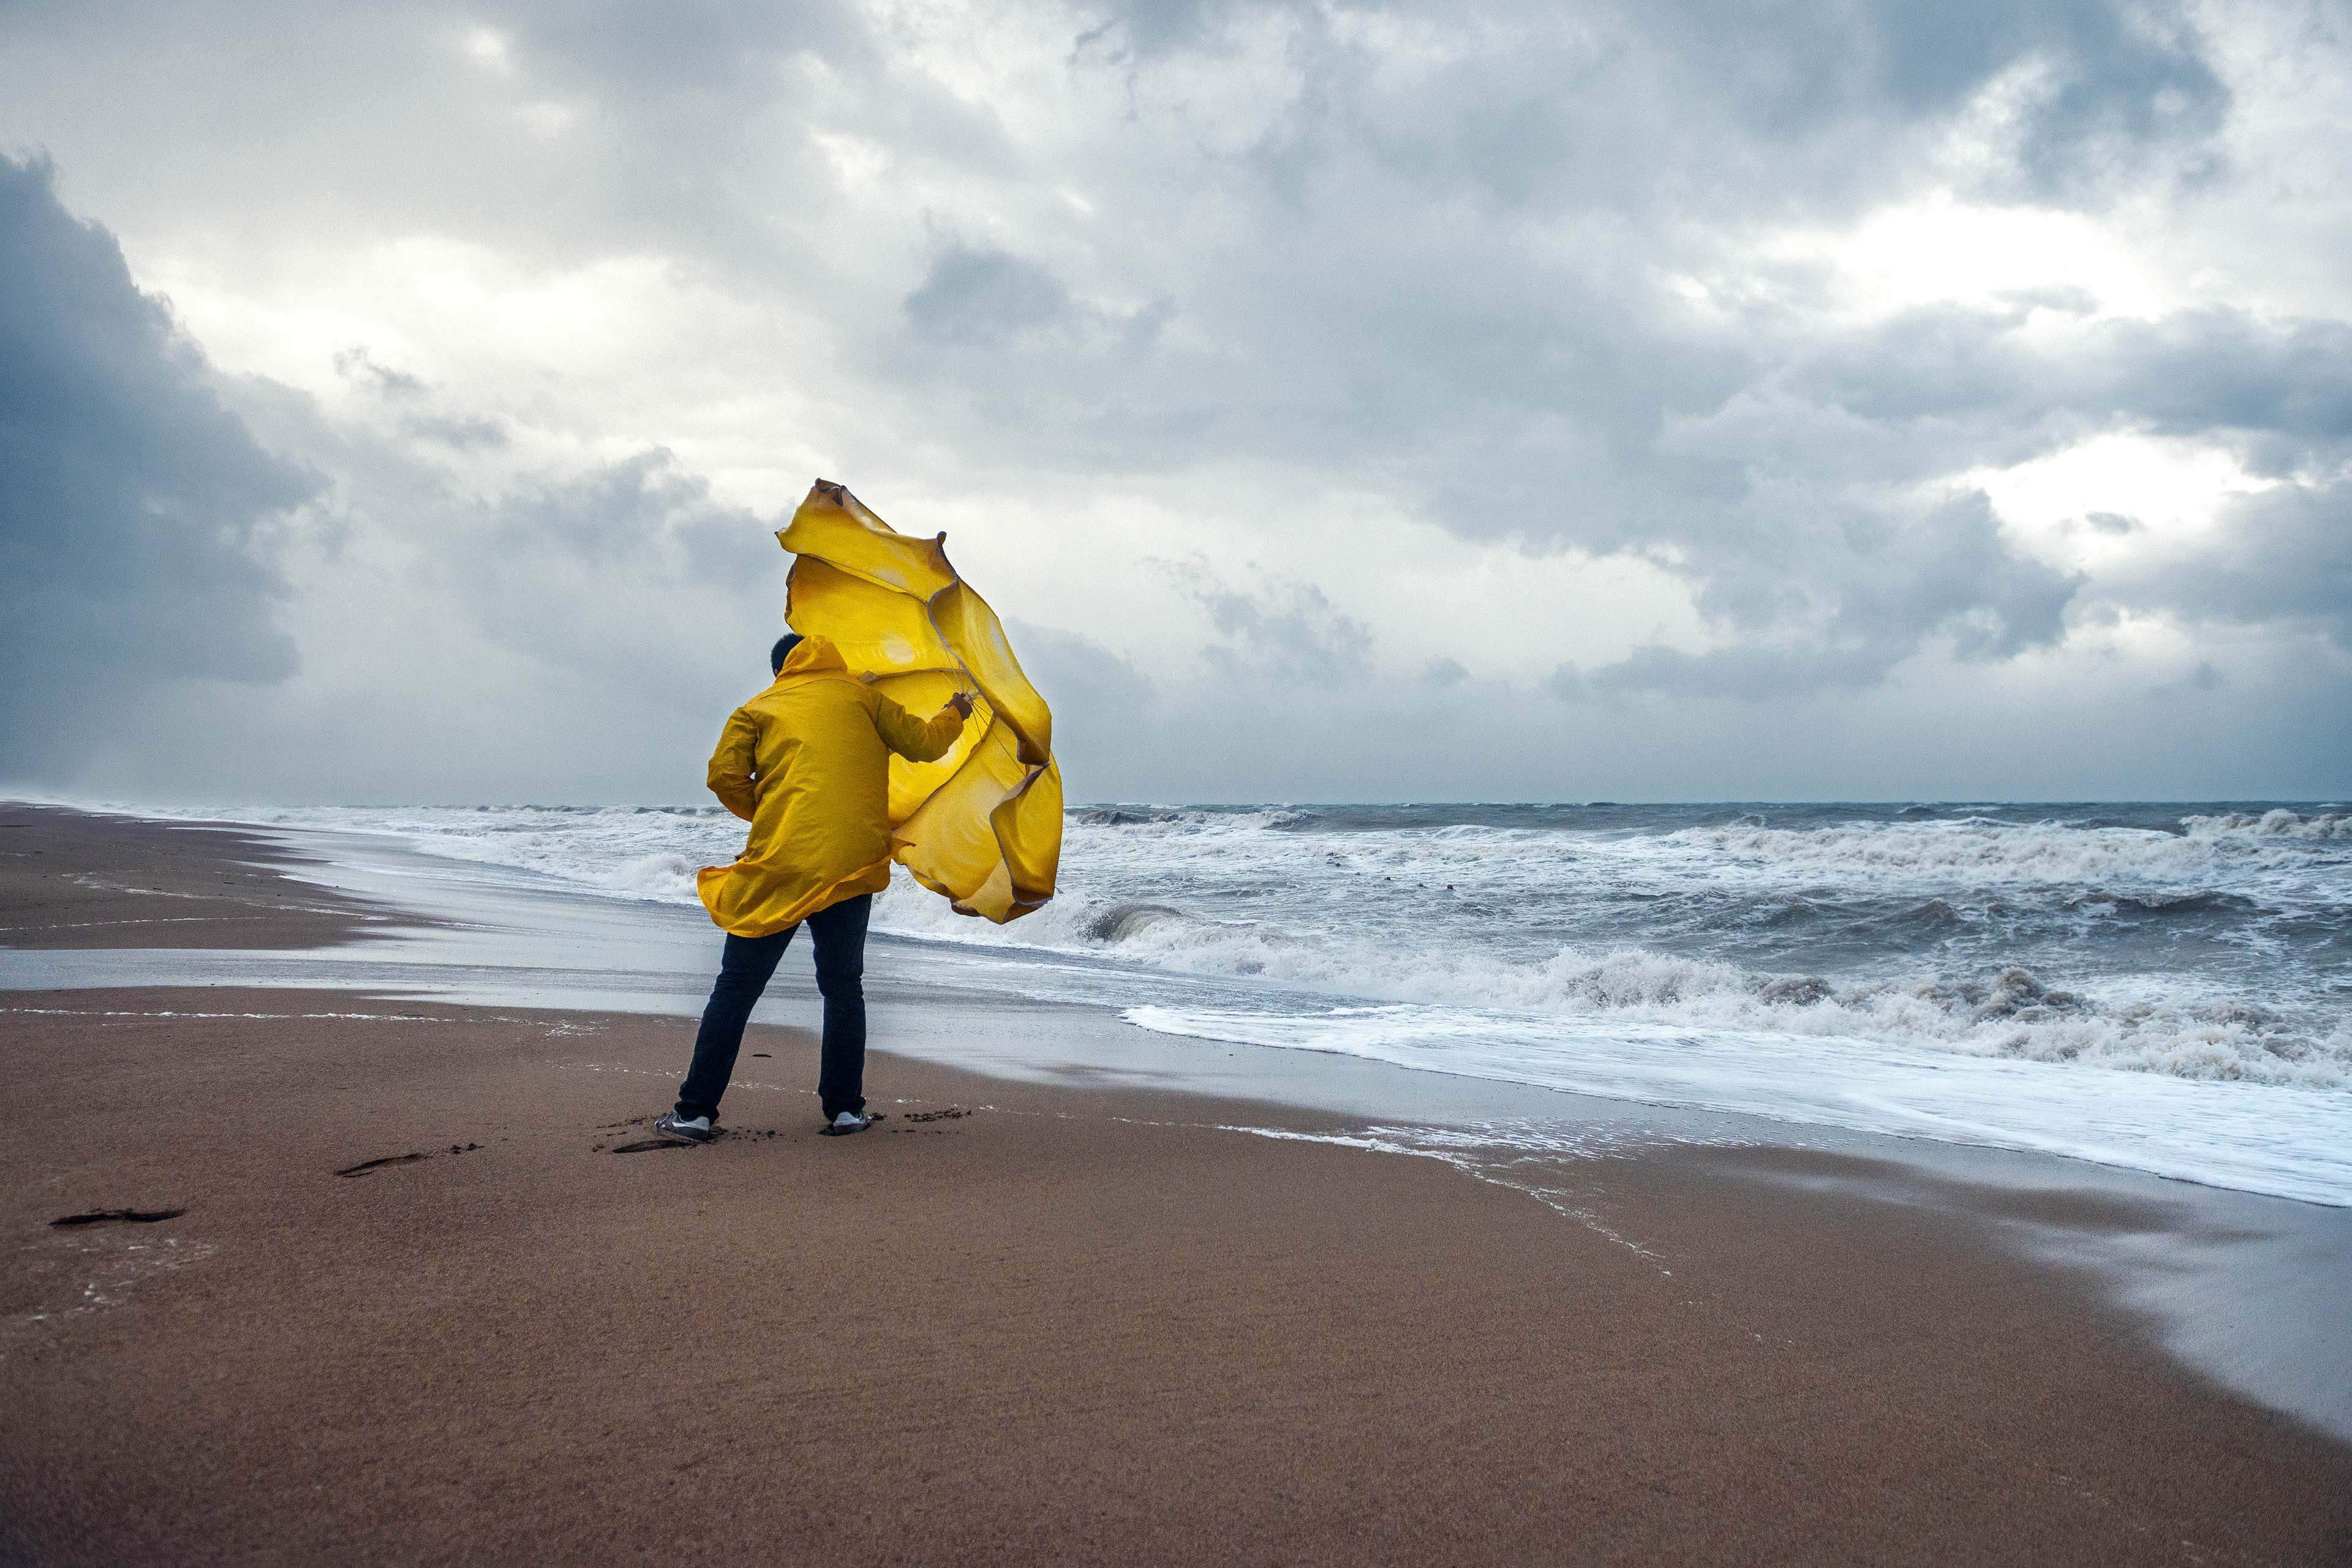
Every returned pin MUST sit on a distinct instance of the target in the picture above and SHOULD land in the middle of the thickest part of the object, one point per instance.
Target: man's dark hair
(782, 651)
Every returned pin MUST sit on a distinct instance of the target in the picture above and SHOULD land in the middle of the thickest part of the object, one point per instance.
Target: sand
(1014, 1322)
(76, 879)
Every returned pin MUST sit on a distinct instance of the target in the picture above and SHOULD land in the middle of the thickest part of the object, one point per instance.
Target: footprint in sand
(364, 1166)
(727, 1134)
(724, 1134)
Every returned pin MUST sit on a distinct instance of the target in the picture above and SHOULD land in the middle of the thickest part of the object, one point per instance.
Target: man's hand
(961, 703)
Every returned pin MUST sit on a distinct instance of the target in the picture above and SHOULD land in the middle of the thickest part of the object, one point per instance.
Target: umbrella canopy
(983, 824)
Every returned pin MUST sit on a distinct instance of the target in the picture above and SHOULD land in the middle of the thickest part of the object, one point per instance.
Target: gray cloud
(2190, 372)
(1452, 275)
(1628, 105)
(982, 297)
(2282, 554)
(484, 634)
(1875, 594)
(136, 524)
(463, 432)
(1110, 724)
(555, 131)
(167, 531)
(712, 52)
(359, 367)
(460, 431)
(1754, 674)
(1282, 632)
(618, 571)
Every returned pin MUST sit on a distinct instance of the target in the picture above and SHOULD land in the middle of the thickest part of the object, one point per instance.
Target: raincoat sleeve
(732, 765)
(915, 740)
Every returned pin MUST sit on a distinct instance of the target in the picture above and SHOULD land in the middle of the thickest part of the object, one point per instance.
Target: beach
(422, 1295)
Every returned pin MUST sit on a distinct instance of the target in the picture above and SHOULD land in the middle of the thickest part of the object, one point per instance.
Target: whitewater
(2162, 988)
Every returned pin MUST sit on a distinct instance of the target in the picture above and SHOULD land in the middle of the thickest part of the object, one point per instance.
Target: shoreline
(1088, 1319)
(541, 903)
(161, 883)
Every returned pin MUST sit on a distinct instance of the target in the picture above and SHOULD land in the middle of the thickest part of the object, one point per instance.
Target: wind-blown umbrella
(983, 824)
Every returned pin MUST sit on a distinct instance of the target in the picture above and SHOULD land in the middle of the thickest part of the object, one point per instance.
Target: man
(807, 763)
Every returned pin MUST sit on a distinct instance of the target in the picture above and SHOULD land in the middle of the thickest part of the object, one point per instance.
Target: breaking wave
(2213, 943)
(2001, 1011)
(2277, 823)
(2126, 939)
(1981, 850)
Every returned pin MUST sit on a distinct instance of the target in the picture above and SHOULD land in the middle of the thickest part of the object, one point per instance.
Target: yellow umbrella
(984, 824)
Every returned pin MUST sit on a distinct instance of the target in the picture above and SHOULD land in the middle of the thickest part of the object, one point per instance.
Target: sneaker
(695, 1128)
(848, 1121)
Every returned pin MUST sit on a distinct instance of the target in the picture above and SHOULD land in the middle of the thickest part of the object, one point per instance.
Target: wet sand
(1015, 1321)
(74, 879)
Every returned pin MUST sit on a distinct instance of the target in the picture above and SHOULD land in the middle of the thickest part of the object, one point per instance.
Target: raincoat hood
(812, 656)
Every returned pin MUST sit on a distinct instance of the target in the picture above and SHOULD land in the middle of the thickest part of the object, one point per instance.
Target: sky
(1473, 401)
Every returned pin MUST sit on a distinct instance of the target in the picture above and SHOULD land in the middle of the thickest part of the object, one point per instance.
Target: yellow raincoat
(807, 763)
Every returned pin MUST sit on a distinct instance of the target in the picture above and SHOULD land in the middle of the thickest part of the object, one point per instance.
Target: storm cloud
(1563, 383)
(138, 518)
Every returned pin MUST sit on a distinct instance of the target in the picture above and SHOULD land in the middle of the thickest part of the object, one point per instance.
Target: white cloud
(2174, 487)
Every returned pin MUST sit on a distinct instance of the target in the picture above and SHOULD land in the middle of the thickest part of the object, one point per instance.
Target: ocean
(2166, 988)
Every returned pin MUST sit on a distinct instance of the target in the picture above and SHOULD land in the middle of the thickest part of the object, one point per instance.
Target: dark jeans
(839, 932)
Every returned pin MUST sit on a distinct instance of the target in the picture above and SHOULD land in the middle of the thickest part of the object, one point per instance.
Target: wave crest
(1975, 851)
(1998, 1010)
(2277, 823)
